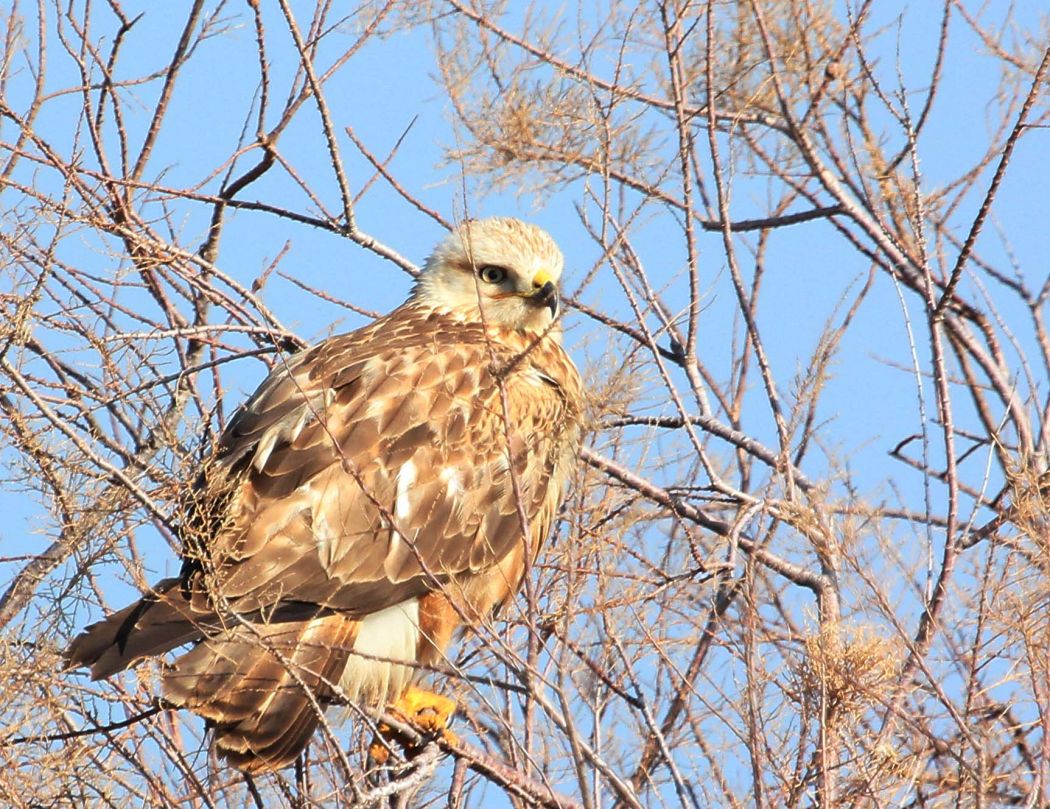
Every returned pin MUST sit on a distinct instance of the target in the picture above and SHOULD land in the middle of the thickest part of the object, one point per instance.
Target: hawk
(379, 491)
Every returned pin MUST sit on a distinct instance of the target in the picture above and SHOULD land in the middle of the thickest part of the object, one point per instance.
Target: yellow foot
(425, 711)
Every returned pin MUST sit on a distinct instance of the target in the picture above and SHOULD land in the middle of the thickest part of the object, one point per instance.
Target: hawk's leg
(425, 711)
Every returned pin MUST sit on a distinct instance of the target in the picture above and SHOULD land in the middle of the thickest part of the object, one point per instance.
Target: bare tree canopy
(805, 553)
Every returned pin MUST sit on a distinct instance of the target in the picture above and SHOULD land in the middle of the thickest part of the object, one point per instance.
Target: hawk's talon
(379, 750)
(426, 712)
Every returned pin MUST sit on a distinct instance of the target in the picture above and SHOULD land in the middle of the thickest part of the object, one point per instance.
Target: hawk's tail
(156, 623)
(263, 686)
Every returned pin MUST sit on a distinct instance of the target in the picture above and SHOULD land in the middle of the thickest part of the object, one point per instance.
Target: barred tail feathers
(262, 684)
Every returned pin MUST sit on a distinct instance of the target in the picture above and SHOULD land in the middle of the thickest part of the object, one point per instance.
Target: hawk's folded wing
(380, 464)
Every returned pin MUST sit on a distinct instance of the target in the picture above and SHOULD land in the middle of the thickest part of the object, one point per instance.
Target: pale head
(502, 270)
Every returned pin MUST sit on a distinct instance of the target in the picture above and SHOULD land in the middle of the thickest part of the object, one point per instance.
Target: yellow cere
(541, 278)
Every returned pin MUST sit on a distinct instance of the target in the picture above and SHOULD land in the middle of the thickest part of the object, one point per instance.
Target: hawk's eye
(492, 274)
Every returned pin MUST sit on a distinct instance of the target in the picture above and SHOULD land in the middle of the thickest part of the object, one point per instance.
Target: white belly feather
(391, 634)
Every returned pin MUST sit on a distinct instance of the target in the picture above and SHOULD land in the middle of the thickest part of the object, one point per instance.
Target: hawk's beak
(544, 292)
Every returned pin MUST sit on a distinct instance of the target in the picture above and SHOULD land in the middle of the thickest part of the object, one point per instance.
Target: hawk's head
(502, 270)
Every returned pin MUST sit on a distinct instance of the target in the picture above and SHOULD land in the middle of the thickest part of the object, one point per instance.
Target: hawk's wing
(377, 465)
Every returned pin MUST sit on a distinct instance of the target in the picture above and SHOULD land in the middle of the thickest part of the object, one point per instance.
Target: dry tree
(804, 557)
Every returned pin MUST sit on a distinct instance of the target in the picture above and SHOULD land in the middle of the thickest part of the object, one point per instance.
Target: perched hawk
(377, 491)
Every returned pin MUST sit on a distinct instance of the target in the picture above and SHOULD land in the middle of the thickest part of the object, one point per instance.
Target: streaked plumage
(363, 500)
